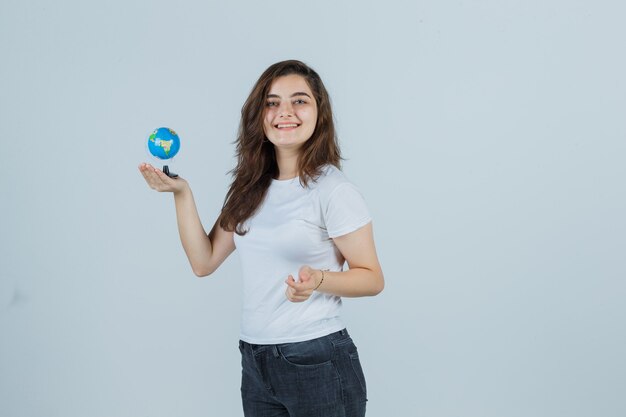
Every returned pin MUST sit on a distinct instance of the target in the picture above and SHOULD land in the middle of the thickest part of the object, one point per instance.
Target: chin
(287, 143)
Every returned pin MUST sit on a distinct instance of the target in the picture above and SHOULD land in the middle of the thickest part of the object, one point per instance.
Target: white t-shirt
(294, 226)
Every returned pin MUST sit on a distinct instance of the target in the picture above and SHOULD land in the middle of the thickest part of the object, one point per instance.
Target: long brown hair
(256, 157)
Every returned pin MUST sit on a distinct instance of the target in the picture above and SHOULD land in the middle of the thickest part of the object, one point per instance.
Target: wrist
(183, 190)
(320, 274)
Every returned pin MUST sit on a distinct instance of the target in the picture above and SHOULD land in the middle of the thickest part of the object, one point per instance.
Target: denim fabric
(317, 378)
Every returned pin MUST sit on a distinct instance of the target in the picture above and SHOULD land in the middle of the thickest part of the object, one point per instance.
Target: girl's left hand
(301, 291)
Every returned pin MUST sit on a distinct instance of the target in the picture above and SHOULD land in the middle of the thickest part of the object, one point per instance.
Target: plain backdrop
(488, 138)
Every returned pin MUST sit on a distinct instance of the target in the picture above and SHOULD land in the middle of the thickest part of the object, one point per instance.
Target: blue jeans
(320, 377)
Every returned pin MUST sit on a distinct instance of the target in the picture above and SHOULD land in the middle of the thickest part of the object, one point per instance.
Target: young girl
(295, 219)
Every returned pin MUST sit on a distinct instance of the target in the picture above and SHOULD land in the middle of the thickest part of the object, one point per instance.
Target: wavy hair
(256, 156)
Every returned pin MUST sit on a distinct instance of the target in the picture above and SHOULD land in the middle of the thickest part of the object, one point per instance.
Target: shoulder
(342, 206)
(330, 179)
(332, 185)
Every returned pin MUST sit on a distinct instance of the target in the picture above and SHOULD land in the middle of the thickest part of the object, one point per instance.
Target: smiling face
(290, 112)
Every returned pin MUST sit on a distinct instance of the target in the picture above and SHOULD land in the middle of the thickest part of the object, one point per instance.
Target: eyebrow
(299, 93)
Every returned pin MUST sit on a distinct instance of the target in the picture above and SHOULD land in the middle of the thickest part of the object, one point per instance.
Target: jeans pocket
(358, 370)
(310, 353)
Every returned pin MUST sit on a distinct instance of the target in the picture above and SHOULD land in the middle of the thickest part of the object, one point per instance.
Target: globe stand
(167, 172)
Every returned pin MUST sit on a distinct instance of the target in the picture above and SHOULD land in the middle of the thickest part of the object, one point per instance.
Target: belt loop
(275, 350)
(343, 332)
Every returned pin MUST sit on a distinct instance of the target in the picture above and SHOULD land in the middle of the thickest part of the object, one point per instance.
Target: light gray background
(488, 138)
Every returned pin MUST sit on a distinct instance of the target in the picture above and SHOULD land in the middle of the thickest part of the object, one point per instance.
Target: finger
(305, 294)
(153, 180)
(160, 174)
(290, 280)
(148, 175)
(145, 167)
(300, 294)
(304, 273)
(298, 286)
(291, 295)
(152, 177)
(161, 181)
(306, 284)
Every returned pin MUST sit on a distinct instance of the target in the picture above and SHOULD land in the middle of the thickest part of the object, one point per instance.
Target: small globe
(163, 143)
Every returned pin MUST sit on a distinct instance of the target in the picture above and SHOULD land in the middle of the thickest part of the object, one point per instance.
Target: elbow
(379, 286)
(202, 271)
(379, 289)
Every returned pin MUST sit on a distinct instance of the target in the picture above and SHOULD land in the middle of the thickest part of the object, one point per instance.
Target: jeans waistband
(341, 334)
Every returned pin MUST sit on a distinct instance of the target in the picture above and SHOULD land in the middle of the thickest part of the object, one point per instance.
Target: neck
(287, 162)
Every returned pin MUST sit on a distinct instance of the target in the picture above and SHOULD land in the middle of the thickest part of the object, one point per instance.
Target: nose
(286, 109)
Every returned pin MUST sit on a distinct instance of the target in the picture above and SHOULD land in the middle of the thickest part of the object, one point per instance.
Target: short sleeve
(345, 210)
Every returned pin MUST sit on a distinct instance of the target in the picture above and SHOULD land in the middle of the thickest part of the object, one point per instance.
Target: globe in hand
(163, 143)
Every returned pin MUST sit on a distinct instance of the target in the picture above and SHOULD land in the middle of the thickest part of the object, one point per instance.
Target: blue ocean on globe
(163, 143)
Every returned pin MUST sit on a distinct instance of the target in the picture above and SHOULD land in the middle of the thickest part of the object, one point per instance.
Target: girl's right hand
(158, 181)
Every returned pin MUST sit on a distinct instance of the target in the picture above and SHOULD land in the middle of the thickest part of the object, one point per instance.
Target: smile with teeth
(286, 125)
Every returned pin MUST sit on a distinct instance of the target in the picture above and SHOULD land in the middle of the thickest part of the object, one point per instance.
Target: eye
(271, 103)
(300, 101)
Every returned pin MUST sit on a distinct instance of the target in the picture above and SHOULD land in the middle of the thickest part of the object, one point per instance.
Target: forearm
(196, 243)
(355, 282)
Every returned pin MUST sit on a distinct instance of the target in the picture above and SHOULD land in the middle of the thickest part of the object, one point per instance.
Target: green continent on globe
(165, 144)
